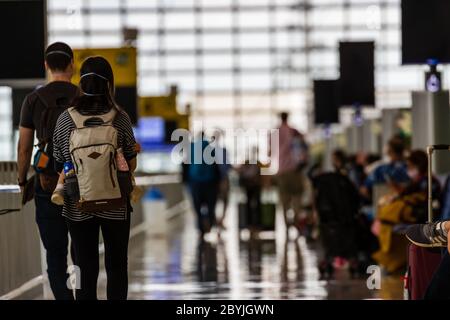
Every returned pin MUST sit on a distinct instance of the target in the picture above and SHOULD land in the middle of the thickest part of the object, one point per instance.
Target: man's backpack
(93, 146)
(55, 103)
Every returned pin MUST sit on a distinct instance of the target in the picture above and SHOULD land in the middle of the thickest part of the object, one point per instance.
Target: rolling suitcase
(423, 262)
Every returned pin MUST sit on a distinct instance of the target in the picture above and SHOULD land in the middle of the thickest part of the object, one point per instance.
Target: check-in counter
(20, 254)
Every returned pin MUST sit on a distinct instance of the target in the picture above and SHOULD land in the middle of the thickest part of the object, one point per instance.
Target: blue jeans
(54, 235)
(439, 287)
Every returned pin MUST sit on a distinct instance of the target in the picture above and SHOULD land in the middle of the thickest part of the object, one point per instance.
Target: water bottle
(71, 189)
(58, 194)
(68, 169)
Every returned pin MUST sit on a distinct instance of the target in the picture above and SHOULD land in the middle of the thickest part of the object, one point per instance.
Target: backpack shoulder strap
(77, 117)
(49, 103)
(108, 118)
(44, 96)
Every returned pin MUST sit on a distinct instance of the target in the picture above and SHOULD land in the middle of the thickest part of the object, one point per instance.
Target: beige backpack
(93, 146)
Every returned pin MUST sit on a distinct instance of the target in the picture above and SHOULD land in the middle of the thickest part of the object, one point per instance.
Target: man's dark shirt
(32, 107)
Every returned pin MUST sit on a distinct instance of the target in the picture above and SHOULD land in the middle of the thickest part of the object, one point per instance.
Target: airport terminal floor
(180, 266)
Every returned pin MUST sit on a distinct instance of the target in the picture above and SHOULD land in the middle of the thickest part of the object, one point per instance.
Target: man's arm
(24, 152)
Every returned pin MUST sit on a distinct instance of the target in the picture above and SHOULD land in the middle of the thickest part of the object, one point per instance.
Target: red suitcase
(423, 262)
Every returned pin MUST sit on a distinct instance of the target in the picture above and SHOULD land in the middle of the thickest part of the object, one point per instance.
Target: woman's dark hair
(419, 159)
(96, 92)
(58, 56)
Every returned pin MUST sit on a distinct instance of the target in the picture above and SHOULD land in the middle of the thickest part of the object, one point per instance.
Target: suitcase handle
(430, 150)
(439, 147)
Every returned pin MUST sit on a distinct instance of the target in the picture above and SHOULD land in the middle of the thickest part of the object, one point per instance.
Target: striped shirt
(61, 153)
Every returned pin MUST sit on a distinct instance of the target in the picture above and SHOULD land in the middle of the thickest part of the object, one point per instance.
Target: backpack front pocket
(97, 179)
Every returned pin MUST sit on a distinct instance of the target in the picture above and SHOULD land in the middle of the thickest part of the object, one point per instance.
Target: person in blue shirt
(394, 173)
(203, 179)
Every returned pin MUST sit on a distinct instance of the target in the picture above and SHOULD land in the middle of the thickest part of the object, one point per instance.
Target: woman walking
(95, 107)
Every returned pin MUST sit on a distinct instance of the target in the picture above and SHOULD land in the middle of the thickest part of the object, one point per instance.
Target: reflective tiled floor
(179, 266)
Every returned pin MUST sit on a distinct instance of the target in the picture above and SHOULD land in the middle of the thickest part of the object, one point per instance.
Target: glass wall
(231, 58)
(239, 62)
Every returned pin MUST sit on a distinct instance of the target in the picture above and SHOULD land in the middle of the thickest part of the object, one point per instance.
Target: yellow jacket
(392, 252)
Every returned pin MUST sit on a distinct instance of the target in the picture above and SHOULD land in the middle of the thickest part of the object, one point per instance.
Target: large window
(231, 48)
(223, 52)
(232, 58)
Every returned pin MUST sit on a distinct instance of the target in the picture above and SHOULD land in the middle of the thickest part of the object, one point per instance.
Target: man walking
(39, 113)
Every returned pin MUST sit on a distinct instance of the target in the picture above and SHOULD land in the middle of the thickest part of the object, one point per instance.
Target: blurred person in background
(339, 160)
(356, 170)
(250, 180)
(292, 158)
(399, 209)
(336, 205)
(393, 173)
(203, 176)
